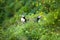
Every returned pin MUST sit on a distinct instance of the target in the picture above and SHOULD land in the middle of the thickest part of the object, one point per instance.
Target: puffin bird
(38, 18)
(23, 19)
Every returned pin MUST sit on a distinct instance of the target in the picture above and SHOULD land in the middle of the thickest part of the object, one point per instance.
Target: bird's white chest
(22, 20)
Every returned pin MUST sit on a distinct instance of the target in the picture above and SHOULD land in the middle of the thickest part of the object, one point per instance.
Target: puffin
(23, 19)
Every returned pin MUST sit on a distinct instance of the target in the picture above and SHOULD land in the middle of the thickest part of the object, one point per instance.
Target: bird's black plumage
(38, 18)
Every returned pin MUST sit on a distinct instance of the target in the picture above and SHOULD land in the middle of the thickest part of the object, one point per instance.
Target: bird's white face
(22, 20)
(39, 16)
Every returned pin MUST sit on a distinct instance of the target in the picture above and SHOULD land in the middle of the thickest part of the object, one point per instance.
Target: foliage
(11, 28)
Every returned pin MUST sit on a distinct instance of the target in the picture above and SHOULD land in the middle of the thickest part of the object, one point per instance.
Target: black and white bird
(23, 19)
(38, 18)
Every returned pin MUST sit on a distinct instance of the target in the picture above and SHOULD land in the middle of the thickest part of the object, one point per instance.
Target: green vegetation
(11, 28)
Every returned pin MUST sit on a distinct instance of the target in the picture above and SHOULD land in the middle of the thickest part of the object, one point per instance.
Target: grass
(30, 30)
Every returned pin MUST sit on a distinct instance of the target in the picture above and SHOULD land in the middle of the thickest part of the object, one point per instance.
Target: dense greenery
(11, 28)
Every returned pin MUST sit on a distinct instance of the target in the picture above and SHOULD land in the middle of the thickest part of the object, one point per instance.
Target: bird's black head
(24, 17)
